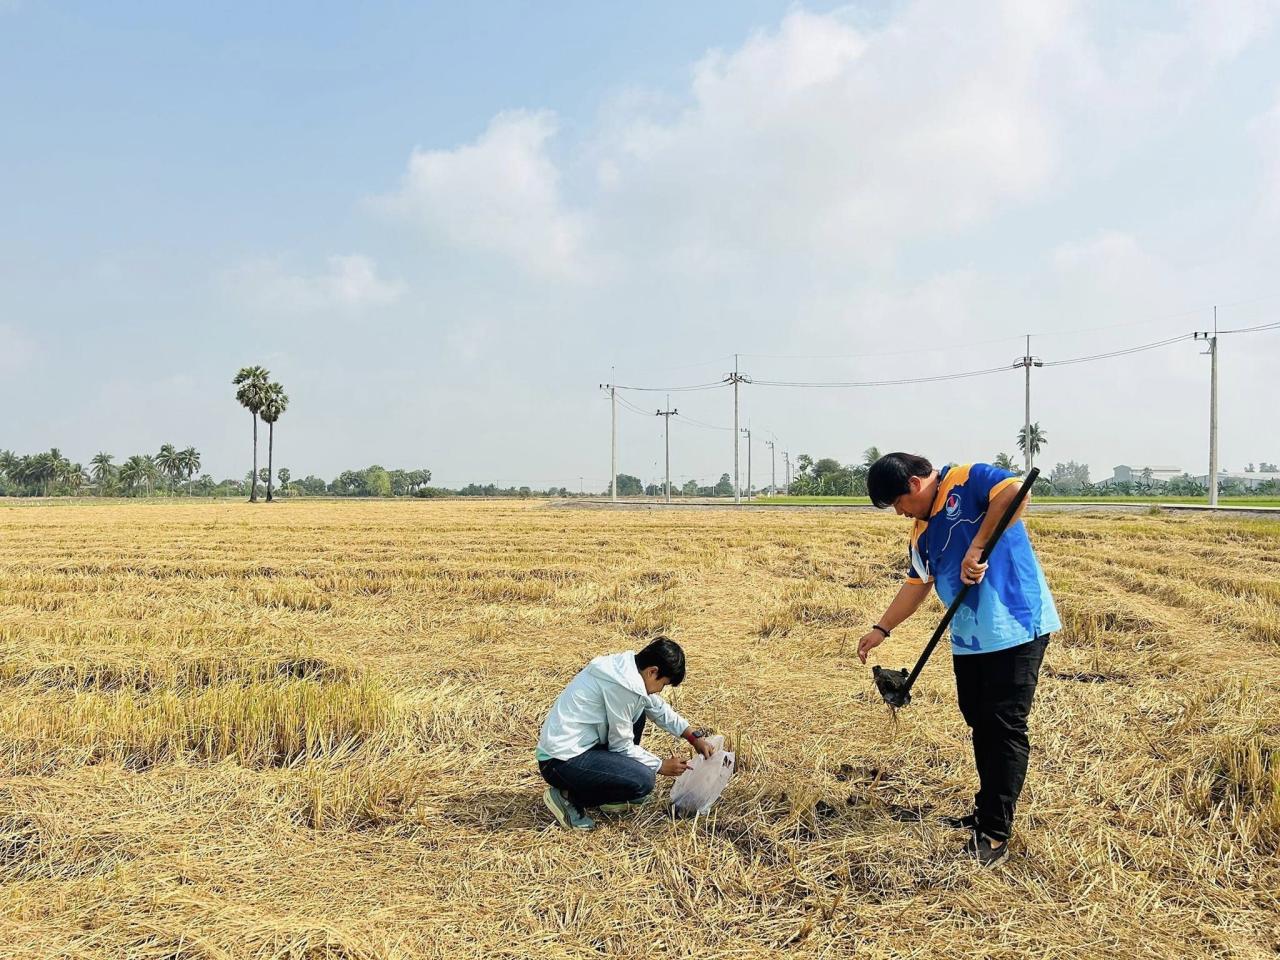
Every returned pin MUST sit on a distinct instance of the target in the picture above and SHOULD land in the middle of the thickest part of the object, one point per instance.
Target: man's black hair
(667, 656)
(889, 477)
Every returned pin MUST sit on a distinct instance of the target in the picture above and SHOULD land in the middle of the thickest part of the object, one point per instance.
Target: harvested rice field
(307, 730)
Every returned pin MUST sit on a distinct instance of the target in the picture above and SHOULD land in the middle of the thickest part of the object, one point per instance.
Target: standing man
(1000, 632)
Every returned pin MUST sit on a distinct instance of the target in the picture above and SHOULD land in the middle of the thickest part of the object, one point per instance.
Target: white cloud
(350, 282)
(821, 139)
(499, 194)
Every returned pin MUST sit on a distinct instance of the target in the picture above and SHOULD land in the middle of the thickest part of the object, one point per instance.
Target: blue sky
(442, 225)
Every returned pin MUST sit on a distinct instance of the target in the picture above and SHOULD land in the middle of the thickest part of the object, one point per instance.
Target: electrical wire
(1119, 353)
(1263, 326)
(685, 389)
(1140, 348)
(883, 383)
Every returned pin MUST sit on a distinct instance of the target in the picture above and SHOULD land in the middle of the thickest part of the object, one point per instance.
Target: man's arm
(971, 571)
(910, 595)
(661, 713)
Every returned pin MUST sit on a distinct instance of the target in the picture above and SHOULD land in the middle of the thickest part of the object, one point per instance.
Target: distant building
(1250, 481)
(1130, 474)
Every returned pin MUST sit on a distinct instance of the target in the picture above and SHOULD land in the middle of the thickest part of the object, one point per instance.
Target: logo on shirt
(953, 505)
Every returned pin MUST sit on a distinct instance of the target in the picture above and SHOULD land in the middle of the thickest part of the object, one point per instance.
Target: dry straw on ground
(307, 731)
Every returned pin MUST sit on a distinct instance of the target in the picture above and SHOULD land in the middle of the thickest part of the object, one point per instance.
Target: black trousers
(995, 691)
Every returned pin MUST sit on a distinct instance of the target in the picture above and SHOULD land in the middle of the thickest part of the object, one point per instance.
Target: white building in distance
(1128, 474)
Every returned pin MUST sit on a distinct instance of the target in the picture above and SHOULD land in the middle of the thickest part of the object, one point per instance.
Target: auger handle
(1027, 483)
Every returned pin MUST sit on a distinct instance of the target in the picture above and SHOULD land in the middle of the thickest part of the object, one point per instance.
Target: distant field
(307, 731)
(1042, 498)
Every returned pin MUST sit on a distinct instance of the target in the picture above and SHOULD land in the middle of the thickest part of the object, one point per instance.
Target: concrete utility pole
(773, 468)
(666, 433)
(786, 456)
(1212, 340)
(736, 378)
(1027, 362)
(613, 441)
(748, 433)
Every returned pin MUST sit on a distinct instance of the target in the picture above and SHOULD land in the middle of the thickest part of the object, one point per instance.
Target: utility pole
(736, 378)
(786, 456)
(1027, 361)
(666, 433)
(1212, 340)
(748, 433)
(773, 468)
(613, 441)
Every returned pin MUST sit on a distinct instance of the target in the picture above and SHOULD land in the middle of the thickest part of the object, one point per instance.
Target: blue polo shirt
(1012, 604)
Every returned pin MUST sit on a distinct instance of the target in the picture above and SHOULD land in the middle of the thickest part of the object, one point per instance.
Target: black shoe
(982, 848)
(968, 822)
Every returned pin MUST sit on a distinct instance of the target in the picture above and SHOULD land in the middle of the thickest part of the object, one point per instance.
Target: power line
(684, 389)
(1263, 326)
(884, 383)
(1119, 353)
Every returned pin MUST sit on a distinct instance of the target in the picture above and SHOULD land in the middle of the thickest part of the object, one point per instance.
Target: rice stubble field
(306, 731)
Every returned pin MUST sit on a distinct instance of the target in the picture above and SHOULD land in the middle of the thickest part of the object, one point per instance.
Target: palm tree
(133, 473)
(284, 474)
(1038, 439)
(252, 383)
(56, 468)
(75, 478)
(274, 403)
(188, 463)
(870, 456)
(8, 465)
(1005, 462)
(167, 461)
(103, 470)
(150, 473)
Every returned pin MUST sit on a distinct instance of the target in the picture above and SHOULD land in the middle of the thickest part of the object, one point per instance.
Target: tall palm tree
(1038, 438)
(251, 383)
(103, 470)
(189, 462)
(150, 472)
(168, 463)
(274, 404)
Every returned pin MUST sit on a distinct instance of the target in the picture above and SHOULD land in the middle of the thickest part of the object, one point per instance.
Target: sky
(443, 226)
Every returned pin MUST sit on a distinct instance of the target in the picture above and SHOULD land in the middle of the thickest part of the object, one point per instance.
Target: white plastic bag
(700, 786)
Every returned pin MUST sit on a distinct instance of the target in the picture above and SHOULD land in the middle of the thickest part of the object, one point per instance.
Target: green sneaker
(628, 807)
(566, 814)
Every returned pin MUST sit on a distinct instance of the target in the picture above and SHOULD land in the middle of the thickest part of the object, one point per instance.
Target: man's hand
(703, 746)
(971, 570)
(869, 641)
(673, 767)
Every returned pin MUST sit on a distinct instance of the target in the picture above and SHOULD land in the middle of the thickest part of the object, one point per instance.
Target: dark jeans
(600, 775)
(995, 692)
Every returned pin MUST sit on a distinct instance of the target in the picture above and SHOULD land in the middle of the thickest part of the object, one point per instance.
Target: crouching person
(589, 750)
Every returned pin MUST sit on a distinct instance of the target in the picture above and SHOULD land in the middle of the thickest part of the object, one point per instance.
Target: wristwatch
(881, 629)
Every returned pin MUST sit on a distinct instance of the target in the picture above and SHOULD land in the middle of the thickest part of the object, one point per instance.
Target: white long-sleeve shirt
(601, 705)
